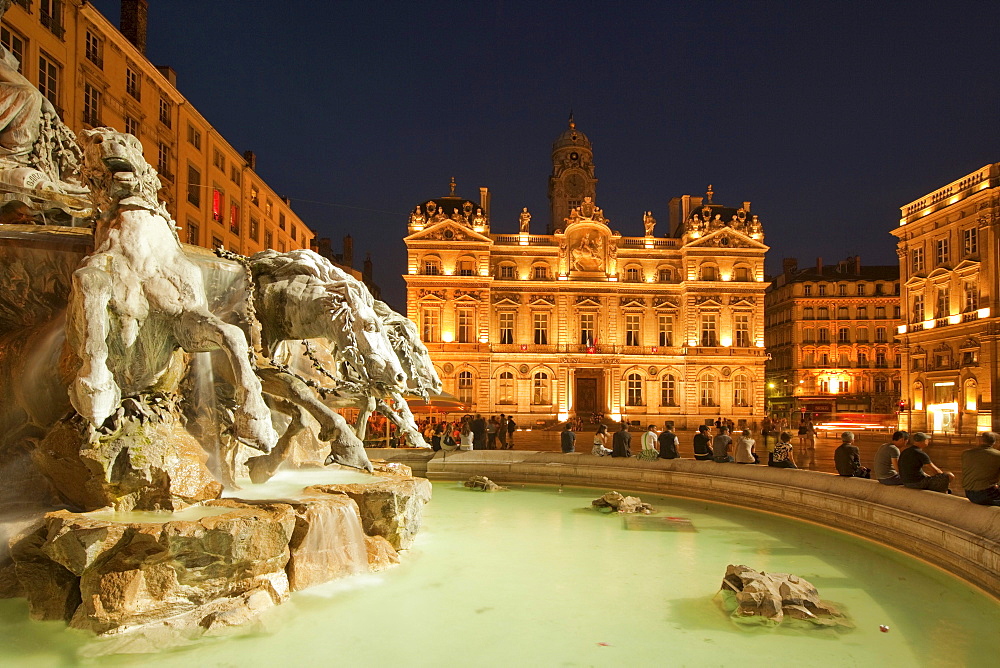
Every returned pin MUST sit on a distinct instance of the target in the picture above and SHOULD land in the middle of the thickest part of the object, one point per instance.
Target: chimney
(857, 265)
(168, 74)
(819, 266)
(133, 23)
(348, 251)
(321, 246)
(789, 265)
(251, 159)
(366, 273)
(484, 201)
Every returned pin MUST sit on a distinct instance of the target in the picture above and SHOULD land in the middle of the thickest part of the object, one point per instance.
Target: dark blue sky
(827, 116)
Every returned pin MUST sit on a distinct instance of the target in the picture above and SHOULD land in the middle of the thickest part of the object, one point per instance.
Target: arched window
(665, 275)
(709, 273)
(540, 271)
(633, 390)
(540, 389)
(668, 391)
(971, 403)
(633, 274)
(465, 387)
(918, 396)
(741, 274)
(708, 391)
(508, 271)
(432, 266)
(506, 388)
(741, 391)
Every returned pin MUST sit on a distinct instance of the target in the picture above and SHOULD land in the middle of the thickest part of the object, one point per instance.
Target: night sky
(827, 116)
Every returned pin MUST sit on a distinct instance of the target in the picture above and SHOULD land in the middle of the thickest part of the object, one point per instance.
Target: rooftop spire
(572, 123)
(709, 193)
(452, 193)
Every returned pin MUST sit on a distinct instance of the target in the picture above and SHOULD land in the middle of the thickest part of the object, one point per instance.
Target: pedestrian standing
(567, 439)
(511, 428)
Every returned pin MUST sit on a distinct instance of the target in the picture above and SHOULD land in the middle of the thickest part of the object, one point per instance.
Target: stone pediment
(449, 231)
(742, 301)
(633, 302)
(915, 280)
(940, 272)
(969, 344)
(431, 295)
(665, 302)
(726, 237)
(512, 299)
(543, 300)
(708, 301)
(588, 301)
(967, 265)
(467, 296)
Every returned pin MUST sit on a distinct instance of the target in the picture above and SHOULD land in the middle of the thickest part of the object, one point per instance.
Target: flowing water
(534, 577)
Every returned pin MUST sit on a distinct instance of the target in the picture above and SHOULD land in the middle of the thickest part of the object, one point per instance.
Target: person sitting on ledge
(622, 443)
(847, 458)
(702, 444)
(912, 461)
(981, 471)
(601, 448)
(722, 445)
(649, 442)
(567, 439)
(668, 442)
(744, 449)
(781, 458)
(887, 459)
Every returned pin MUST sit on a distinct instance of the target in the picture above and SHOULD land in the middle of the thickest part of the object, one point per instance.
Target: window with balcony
(163, 160)
(665, 329)
(466, 325)
(824, 335)
(588, 328)
(132, 83)
(633, 390)
(943, 305)
(632, 329)
(709, 329)
(505, 388)
(970, 241)
(93, 49)
(880, 359)
(862, 359)
(844, 335)
(540, 323)
(809, 335)
(51, 17)
(15, 43)
(862, 335)
(918, 308)
(465, 387)
(506, 325)
(91, 105)
(880, 385)
(741, 330)
(668, 391)
(880, 335)
(540, 390)
(48, 78)
(970, 296)
(194, 186)
(166, 112)
(430, 324)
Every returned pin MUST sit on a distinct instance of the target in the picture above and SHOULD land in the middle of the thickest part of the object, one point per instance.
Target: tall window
(465, 325)
(665, 329)
(880, 385)
(194, 185)
(465, 387)
(742, 274)
(254, 226)
(50, 14)
(506, 388)
(132, 85)
(862, 312)
(91, 105)
(943, 251)
(163, 160)
(269, 238)
(218, 205)
(432, 267)
(634, 274)
(269, 210)
(281, 219)
(540, 320)
(880, 313)
(970, 296)
(707, 391)
(970, 241)
(506, 326)
(193, 233)
(971, 402)
(709, 332)
(194, 136)
(943, 306)
(633, 390)
(295, 236)
(807, 313)
(741, 391)
(14, 43)
(430, 325)
(822, 290)
(824, 335)
(842, 290)
(668, 391)
(844, 335)
(541, 272)
(255, 196)
(809, 335)
(540, 389)
(862, 334)
(842, 313)
(709, 273)
(824, 312)
(880, 334)
(880, 358)
(631, 329)
(131, 126)
(807, 290)
(587, 328)
(48, 79)
(918, 308)
(664, 275)
(861, 289)
(218, 159)
(741, 323)
(165, 112)
(917, 259)
(235, 218)
(862, 359)
(94, 49)
(234, 174)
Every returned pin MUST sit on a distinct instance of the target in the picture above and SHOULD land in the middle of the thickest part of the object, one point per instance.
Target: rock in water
(148, 462)
(767, 599)
(482, 482)
(622, 504)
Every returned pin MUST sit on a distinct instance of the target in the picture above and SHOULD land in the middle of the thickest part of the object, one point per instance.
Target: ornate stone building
(830, 334)
(585, 320)
(949, 261)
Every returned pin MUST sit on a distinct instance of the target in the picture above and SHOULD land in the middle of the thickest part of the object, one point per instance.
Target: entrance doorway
(587, 402)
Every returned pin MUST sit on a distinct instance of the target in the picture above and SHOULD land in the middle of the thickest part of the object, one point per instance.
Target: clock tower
(572, 176)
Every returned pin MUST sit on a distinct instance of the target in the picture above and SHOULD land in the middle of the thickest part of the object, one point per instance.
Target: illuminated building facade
(950, 269)
(831, 339)
(95, 75)
(584, 320)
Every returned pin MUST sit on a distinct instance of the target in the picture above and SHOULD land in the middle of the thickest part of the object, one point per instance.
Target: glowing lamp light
(771, 385)
(449, 272)
(695, 235)
(448, 337)
(523, 239)
(484, 339)
(417, 228)
(801, 382)
(563, 277)
(478, 228)
(901, 329)
(954, 319)
(727, 277)
(983, 312)
(616, 416)
(692, 342)
(650, 279)
(759, 343)
(929, 324)
(649, 244)
(612, 278)
(484, 272)
(726, 341)
(563, 415)
(984, 185)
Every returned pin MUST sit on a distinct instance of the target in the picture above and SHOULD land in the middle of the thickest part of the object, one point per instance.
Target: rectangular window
(48, 79)
(880, 358)
(50, 14)
(843, 335)
(862, 334)
(132, 86)
(842, 312)
(541, 327)
(807, 313)
(943, 252)
(163, 160)
(668, 391)
(430, 325)
(807, 290)
(218, 159)
(824, 313)
(254, 228)
(741, 326)
(541, 272)
(506, 327)
(507, 271)
(269, 210)
(709, 329)
(842, 290)
(281, 219)
(943, 306)
(880, 313)
(465, 333)
(295, 233)
(194, 185)
(587, 328)
(281, 246)
(809, 335)
(131, 126)
(861, 289)
(918, 308)
(970, 291)
(665, 330)
(970, 241)
(218, 205)
(217, 242)
(91, 105)
(165, 112)
(235, 219)
(234, 174)
(269, 238)
(255, 196)
(194, 136)
(94, 49)
(880, 333)
(824, 335)
(822, 290)
(917, 259)
(632, 329)
(14, 43)
(809, 359)
(193, 236)
(862, 360)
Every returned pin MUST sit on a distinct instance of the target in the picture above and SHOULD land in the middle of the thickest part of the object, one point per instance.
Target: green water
(533, 577)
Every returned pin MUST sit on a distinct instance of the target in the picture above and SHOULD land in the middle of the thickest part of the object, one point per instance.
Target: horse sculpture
(138, 298)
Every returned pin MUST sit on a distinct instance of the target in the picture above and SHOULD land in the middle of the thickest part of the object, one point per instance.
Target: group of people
(472, 432)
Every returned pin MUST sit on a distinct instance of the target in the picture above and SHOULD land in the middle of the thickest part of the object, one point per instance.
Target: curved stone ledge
(949, 532)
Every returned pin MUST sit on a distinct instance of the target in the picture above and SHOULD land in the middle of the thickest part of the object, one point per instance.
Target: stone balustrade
(949, 532)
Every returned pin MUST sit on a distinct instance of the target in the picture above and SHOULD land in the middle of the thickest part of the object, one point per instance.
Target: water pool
(533, 577)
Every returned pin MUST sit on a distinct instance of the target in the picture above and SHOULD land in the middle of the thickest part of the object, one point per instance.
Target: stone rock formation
(328, 541)
(766, 599)
(482, 482)
(392, 508)
(622, 504)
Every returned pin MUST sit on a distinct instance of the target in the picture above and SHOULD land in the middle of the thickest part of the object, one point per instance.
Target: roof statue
(525, 220)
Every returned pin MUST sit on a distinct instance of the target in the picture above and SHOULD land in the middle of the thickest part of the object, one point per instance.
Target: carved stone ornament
(440, 294)
(726, 371)
(651, 371)
(707, 300)
(737, 299)
(664, 302)
(523, 369)
(587, 301)
(586, 251)
(473, 294)
(969, 343)
(449, 368)
(512, 297)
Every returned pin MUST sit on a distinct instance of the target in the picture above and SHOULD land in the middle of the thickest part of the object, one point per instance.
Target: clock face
(574, 186)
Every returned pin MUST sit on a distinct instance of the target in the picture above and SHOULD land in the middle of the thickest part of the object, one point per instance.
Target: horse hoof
(256, 432)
